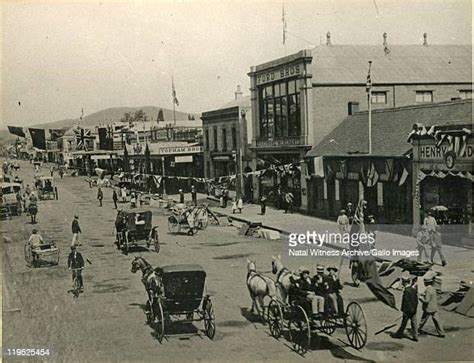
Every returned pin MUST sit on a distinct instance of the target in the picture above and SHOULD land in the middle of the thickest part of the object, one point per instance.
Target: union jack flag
(82, 135)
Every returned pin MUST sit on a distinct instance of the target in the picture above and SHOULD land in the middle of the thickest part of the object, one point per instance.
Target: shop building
(340, 170)
(226, 138)
(299, 99)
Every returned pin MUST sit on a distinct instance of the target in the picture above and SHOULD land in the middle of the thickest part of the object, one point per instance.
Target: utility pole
(369, 100)
(163, 174)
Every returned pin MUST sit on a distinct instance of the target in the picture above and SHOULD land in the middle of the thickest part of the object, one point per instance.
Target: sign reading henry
(282, 73)
(438, 153)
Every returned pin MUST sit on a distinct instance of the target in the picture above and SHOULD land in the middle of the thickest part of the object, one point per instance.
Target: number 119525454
(27, 352)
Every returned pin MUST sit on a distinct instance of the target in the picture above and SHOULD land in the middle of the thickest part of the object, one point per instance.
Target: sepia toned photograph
(239, 181)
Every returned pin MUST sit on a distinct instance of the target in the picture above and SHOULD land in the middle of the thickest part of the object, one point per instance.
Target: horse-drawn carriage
(45, 255)
(191, 218)
(179, 297)
(134, 227)
(45, 187)
(9, 204)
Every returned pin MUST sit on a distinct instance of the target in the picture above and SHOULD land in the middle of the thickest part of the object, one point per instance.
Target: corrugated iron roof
(348, 64)
(390, 128)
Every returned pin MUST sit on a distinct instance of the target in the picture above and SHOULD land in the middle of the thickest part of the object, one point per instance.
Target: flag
(18, 131)
(38, 136)
(82, 135)
(372, 176)
(403, 177)
(173, 93)
(319, 166)
(368, 86)
(283, 23)
(57, 133)
(343, 168)
(389, 168)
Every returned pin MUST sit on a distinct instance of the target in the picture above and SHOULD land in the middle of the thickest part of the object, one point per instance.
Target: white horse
(283, 277)
(259, 286)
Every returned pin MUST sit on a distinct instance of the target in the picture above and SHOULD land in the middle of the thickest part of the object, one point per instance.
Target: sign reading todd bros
(281, 73)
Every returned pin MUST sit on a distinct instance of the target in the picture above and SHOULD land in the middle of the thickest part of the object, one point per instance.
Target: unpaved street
(107, 321)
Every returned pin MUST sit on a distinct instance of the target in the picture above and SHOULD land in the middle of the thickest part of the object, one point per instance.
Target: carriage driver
(35, 241)
(303, 290)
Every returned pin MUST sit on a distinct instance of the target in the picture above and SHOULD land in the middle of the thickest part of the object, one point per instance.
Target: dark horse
(33, 210)
(152, 282)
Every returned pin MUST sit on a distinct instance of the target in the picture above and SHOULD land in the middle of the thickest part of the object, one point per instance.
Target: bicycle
(76, 285)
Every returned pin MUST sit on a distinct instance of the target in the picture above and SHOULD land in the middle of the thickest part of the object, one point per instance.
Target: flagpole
(369, 100)
(174, 100)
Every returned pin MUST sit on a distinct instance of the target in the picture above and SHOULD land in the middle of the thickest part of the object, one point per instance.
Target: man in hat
(35, 241)
(422, 242)
(321, 287)
(430, 222)
(194, 195)
(76, 229)
(75, 263)
(430, 307)
(409, 307)
(100, 196)
(181, 196)
(436, 246)
(302, 292)
(334, 291)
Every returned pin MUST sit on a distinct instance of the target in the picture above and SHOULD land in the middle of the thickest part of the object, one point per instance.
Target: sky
(60, 57)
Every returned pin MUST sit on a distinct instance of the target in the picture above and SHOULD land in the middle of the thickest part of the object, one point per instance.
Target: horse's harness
(253, 273)
(281, 274)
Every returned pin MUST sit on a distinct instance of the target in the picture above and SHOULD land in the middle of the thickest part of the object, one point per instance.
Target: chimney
(238, 93)
(385, 44)
(328, 38)
(425, 39)
(352, 108)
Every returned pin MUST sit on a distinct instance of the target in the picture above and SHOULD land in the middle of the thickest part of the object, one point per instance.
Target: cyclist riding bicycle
(75, 263)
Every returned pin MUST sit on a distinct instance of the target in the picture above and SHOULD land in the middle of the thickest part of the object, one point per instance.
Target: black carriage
(45, 187)
(182, 300)
(134, 227)
(296, 319)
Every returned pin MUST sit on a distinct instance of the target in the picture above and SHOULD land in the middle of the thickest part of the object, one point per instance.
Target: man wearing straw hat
(430, 307)
(409, 307)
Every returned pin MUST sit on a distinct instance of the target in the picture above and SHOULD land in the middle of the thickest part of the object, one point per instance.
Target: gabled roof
(348, 64)
(243, 101)
(390, 128)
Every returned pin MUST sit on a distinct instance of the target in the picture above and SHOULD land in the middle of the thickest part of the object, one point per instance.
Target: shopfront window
(215, 138)
(224, 139)
(280, 110)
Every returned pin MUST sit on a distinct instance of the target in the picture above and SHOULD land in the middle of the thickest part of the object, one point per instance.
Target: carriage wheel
(173, 225)
(356, 325)
(328, 326)
(156, 242)
(275, 319)
(300, 331)
(159, 322)
(209, 319)
(202, 220)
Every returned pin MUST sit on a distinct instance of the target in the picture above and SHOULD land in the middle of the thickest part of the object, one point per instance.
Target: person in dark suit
(408, 308)
(194, 195)
(76, 229)
(303, 292)
(335, 302)
(75, 263)
(115, 198)
(100, 196)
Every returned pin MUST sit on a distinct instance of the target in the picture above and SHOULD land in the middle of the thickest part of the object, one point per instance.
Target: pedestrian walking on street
(430, 221)
(226, 197)
(350, 212)
(422, 242)
(115, 198)
(408, 308)
(234, 206)
(240, 204)
(56, 193)
(289, 198)
(436, 246)
(100, 196)
(430, 308)
(194, 195)
(51, 170)
(343, 222)
(263, 205)
(181, 196)
(76, 229)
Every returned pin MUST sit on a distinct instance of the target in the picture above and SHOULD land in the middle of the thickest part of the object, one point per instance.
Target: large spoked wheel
(202, 220)
(173, 225)
(209, 319)
(275, 318)
(300, 331)
(328, 326)
(356, 325)
(159, 321)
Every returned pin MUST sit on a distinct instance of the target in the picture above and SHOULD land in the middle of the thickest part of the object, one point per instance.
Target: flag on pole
(173, 93)
(283, 23)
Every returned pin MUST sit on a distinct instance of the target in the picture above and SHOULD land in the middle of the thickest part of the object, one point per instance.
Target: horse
(283, 277)
(259, 286)
(33, 211)
(151, 281)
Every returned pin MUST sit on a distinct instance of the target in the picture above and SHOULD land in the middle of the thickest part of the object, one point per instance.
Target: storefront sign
(183, 159)
(100, 157)
(432, 152)
(289, 141)
(179, 150)
(281, 73)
